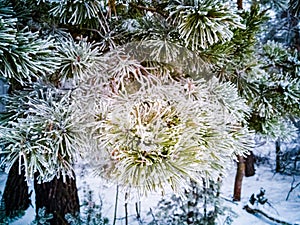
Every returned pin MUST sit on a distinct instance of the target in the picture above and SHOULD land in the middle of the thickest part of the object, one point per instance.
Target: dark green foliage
(267, 75)
(36, 127)
(78, 12)
(236, 59)
(24, 56)
(30, 13)
(280, 83)
(201, 25)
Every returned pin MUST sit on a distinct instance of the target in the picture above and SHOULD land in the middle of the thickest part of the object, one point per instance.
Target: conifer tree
(153, 93)
(273, 94)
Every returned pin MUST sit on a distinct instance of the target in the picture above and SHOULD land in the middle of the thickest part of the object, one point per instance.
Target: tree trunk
(249, 165)
(58, 197)
(278, 156)
(239, 178)
(296, 43)
(16, 197)
(240, 4)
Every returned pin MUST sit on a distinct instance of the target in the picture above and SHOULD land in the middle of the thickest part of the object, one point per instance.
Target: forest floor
(276, 186)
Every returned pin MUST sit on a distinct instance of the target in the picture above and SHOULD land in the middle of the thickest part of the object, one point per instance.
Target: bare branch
(292, 187)
(150, 9)
(257, 211)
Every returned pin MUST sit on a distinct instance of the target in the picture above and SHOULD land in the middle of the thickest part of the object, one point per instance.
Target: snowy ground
(277, 187)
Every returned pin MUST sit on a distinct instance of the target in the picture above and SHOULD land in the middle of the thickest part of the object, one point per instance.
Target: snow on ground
(276, 186)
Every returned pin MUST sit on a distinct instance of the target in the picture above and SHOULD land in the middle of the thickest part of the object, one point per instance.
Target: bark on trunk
(249, 165)
(239, 179)
(240, 4)
(278, 156)
(15, 197)
(58, 197)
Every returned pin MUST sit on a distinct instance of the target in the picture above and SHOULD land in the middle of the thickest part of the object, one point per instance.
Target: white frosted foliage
(162, 135)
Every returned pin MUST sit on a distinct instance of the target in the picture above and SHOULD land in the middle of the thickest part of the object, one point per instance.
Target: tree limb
(257, 211)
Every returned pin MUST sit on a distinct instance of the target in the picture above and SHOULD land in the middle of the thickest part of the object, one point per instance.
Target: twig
(126, 209)
(116, 205)
(272, 207)
(229, 200)
(292, 188)
(138, 211)
(150, 9)
(154, 219)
